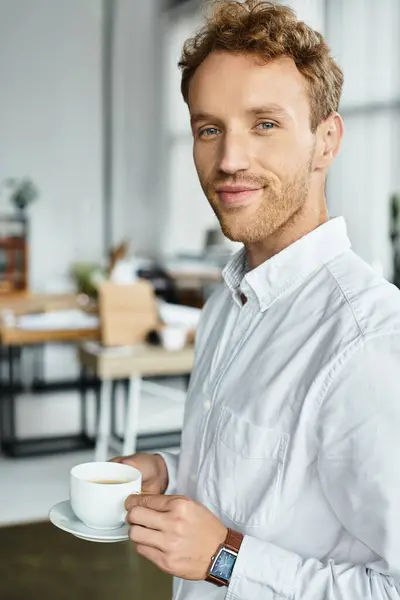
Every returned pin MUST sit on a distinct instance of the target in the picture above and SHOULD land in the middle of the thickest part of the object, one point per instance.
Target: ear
(329, 137)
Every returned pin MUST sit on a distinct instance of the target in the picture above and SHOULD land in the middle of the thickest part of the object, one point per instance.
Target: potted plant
(23, 193)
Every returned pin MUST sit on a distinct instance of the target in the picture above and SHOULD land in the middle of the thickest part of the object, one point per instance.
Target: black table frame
(11, 386)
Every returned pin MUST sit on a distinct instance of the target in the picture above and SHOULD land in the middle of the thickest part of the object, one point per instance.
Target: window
(364, 38)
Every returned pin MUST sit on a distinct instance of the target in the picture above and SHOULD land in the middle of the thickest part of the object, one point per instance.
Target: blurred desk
(24, 309)
(132, 364)
(23, 303)
(46, 327)
(13, 338)
(192, 279)
(196, 272)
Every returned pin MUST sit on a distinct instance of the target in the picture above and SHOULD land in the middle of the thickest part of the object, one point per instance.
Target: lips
(237, 195)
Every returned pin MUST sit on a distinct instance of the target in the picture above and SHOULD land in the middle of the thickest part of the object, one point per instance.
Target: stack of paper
(58, 320)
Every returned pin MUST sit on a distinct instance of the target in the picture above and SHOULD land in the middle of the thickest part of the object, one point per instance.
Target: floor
(40, 562)
(31, 486)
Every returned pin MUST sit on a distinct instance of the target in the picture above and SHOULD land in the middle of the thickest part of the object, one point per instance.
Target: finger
(139, 515)
(128, 460)
(152, 554)
(147, 537)
(117, 459)
(156, 502)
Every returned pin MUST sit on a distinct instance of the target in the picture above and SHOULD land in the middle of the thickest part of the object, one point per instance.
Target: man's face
(253, 146)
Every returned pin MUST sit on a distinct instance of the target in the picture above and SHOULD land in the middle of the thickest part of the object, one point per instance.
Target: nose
(234, 155)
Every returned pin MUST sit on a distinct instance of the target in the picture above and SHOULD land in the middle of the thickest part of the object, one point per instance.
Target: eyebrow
(268, 109)
(201, 117)
(271, 109)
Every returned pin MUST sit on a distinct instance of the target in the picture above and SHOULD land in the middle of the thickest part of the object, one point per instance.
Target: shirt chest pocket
(245, 470)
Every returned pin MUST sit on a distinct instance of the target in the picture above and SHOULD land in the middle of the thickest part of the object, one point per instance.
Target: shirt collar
(288, 268)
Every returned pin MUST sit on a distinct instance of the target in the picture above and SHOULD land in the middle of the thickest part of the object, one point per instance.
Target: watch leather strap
(233, 541)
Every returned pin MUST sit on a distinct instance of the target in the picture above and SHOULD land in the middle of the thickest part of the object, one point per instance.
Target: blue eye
(266, 125)
(209, 131)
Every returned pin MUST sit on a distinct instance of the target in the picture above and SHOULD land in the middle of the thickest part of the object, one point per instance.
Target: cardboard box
(128, 312)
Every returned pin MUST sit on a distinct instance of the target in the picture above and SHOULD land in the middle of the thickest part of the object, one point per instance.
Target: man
(288, 481)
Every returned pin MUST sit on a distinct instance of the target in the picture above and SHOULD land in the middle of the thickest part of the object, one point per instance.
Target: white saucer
(62, 516)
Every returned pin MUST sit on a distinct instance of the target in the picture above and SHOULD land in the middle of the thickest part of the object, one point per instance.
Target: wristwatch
(223, 561)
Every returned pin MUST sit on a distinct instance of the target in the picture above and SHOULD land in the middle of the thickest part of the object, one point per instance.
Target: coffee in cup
(98, 491)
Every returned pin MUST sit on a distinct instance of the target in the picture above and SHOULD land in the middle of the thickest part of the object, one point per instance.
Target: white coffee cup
(173, 337)
(98, 504)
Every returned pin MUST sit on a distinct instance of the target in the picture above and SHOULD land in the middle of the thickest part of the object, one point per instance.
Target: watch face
(223, 565)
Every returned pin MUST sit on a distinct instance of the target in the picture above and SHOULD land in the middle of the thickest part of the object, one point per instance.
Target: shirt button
(207, 404)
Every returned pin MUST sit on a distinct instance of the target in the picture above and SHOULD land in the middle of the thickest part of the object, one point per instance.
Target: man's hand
(177, 534)
(153, 469)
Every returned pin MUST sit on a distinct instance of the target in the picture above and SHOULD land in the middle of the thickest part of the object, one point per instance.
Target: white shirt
(292, 425)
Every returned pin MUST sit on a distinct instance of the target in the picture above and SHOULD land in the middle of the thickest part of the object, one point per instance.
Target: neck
(299, 225)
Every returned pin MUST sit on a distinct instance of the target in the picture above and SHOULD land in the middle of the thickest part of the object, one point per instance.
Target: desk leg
(83, 400)
(11, 397)
(8, 427)
(132, 416)
(104, 428)
(38, 365)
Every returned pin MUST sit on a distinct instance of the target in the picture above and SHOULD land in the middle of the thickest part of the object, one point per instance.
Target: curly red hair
(267, 31)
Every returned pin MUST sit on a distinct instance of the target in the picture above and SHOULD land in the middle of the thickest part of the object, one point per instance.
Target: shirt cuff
(261, 566)
(171, 461)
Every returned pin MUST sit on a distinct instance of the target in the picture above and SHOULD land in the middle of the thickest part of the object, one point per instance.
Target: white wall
(311, 12)
(50, 124)
(139, 127)
(189, 213)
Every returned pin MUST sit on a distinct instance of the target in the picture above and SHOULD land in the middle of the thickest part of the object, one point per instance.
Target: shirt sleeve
(172, 462)
(359, 470)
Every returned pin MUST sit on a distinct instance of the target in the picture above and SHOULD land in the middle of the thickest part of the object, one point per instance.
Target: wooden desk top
(24, 303)
(21, 337)
(145, 360)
